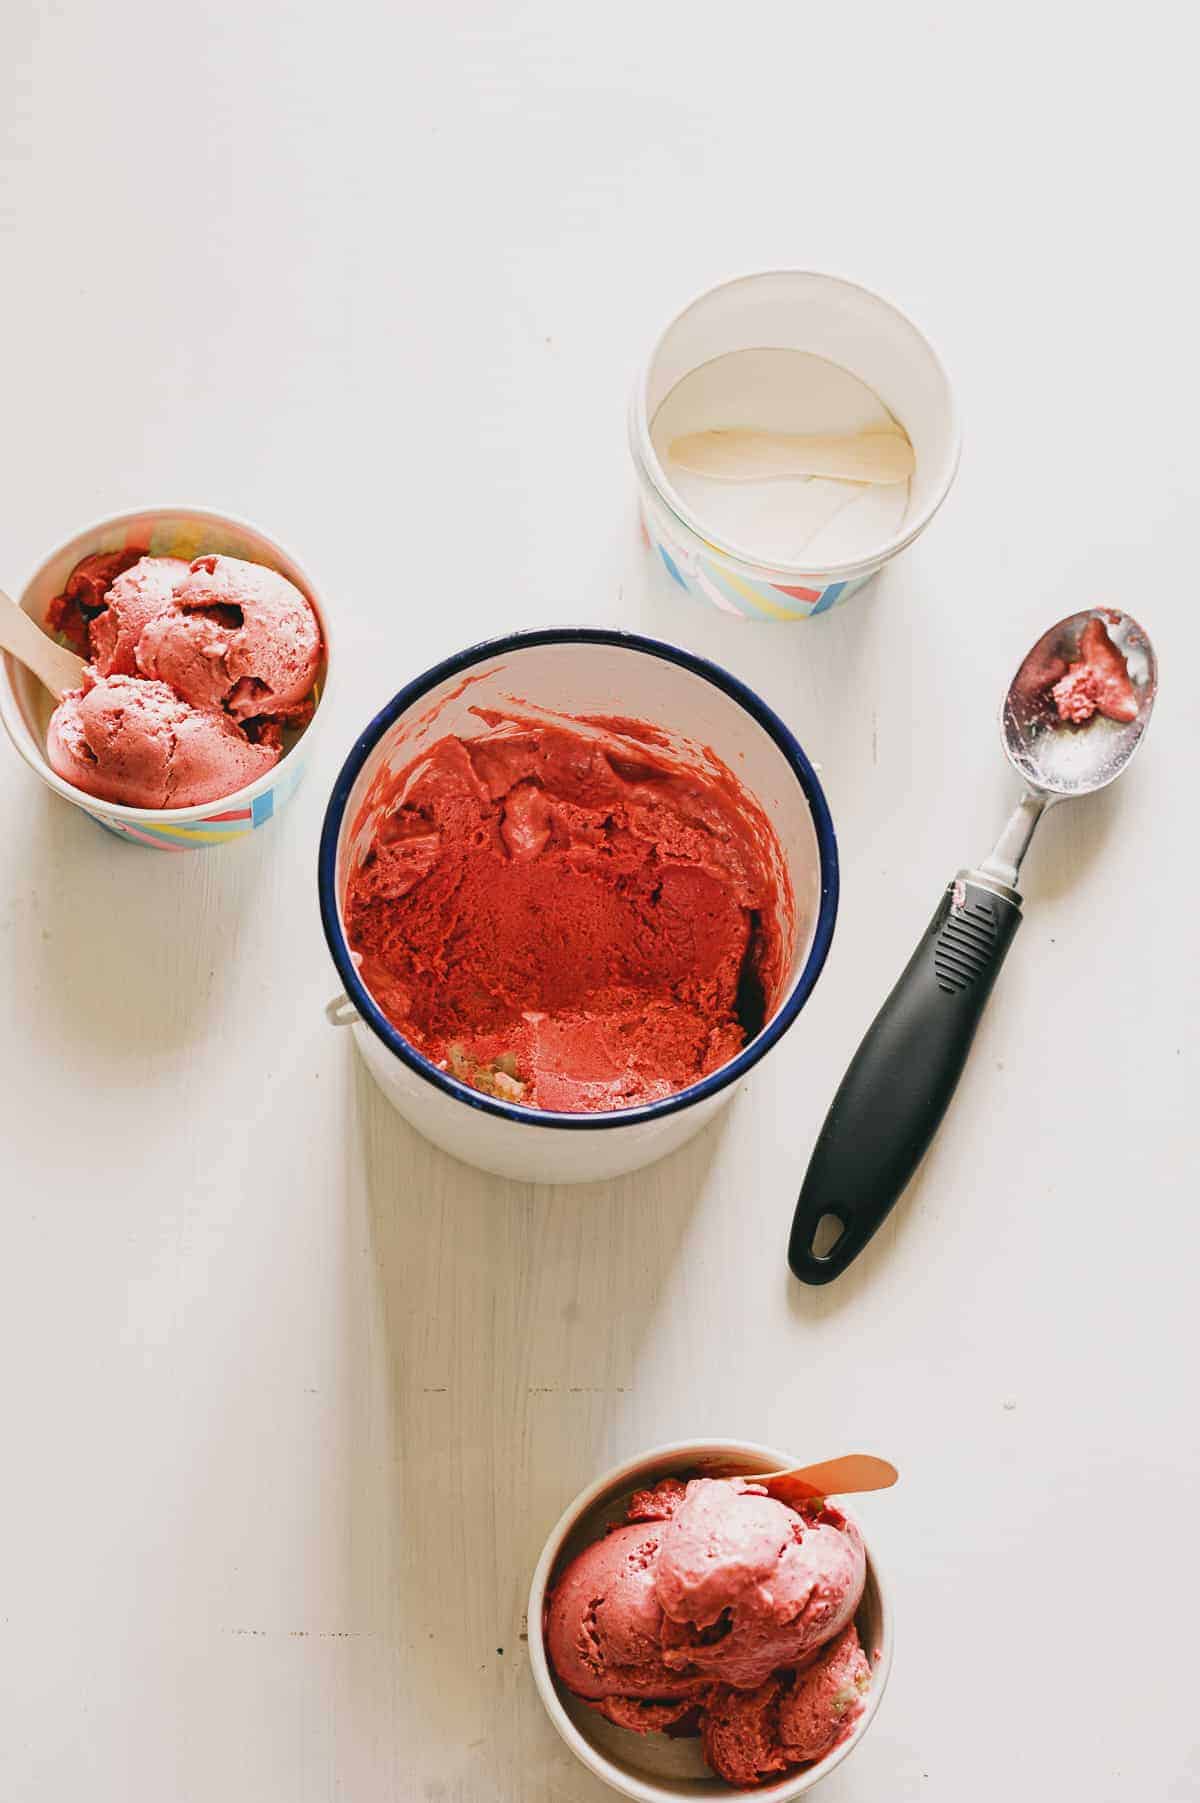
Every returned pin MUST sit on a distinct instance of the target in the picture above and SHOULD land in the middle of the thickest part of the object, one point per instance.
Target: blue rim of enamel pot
(717, 1080)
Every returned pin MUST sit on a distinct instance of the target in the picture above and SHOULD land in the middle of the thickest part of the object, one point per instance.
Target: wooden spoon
(54, 666)
(853, 1473)
(745, 454)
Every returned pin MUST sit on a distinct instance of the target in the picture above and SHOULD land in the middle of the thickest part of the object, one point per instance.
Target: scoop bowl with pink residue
(1079, 705)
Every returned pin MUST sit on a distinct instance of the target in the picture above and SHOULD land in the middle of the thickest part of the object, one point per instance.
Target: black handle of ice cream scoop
(901, 1079)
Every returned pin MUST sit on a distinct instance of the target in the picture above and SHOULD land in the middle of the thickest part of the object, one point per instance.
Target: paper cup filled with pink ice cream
(692, 1636)
(206, 651)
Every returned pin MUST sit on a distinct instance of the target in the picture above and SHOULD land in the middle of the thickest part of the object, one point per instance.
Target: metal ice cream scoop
(902, 1077)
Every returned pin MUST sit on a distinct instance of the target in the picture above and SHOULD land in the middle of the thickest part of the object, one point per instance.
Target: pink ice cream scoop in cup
(126, 740)
(692, 1636)
(748, 1585)
(604, 1632)
(237, 636)
(208, 653)
(793, 1718)
(138, 595)
(195, 669)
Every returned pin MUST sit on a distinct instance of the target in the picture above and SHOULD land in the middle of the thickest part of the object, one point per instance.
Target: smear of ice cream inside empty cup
(815, 519)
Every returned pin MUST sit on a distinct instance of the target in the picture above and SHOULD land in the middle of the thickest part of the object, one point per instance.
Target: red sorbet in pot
(570, 914)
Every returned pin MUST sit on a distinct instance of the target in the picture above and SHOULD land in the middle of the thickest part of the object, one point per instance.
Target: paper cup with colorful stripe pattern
(830, 318)
(26, 707)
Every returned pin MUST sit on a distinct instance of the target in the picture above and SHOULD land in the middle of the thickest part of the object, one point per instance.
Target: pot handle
(341, 1012)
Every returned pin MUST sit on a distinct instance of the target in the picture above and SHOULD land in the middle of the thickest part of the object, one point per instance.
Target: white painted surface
(291, 1400)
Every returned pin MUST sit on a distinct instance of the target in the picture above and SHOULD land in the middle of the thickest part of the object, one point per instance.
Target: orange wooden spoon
(853, 1473)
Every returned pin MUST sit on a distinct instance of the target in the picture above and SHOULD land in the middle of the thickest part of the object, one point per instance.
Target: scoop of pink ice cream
(138, 595)
(658, 1504)
(1075, 695)
(792, 1719)
(1097, 682)
(84, 592)
(823, 1702)
(603, 1628)
(739, 1735)
(650, 1715)
(137, 743)
(237, 636)
(747, 1585)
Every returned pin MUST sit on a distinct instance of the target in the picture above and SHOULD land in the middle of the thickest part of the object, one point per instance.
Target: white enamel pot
(578, 671)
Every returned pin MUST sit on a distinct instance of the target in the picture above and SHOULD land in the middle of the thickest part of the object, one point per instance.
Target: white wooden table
(290, 1399)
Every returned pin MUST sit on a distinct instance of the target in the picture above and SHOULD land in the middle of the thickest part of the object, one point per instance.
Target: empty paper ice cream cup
(586, 675)
(788, 352)
(185, 532)
(653, 1768)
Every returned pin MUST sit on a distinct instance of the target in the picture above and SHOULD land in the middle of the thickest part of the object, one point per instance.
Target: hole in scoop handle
(900, 1081)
